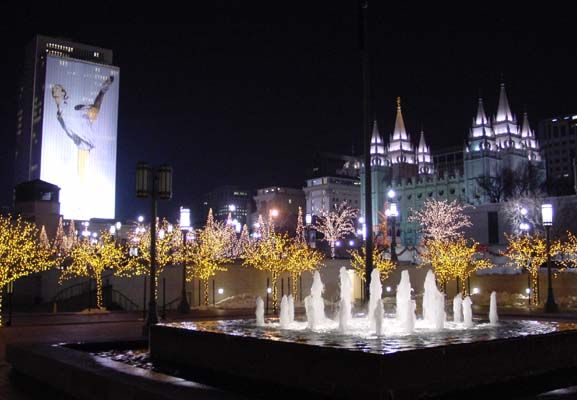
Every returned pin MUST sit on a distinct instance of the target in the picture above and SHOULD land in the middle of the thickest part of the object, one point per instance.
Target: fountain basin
(394, 365)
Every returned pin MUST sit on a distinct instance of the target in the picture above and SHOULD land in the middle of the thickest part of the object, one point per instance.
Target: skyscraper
(67, 124)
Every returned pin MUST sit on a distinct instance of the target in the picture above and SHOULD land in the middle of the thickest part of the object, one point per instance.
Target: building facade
(558, 138)
(493, 146)
(280, 204)
(225, 200)
(67, 124)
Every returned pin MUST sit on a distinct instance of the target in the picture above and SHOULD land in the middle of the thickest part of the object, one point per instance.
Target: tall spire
(400, 148)
(424, 160)
(529, 140)
(503, 110)
(481, 118)
(377, 147)
(400, 132)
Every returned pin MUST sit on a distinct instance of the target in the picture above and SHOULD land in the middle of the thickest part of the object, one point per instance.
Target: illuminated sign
(79, 136)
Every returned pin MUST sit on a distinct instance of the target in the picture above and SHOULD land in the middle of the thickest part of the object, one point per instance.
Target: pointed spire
(526, 131)
(424, 159)
(422, 144)
(503, 110)
(400, 132)
(377, 147)
(481, 118)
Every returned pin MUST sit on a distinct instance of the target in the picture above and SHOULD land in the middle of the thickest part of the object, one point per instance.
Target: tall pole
(152, 314)
(394, 239)
(363, 36)
(550, 306)
(183, 306)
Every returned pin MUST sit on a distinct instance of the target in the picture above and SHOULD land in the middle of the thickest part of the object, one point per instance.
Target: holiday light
(336, 224)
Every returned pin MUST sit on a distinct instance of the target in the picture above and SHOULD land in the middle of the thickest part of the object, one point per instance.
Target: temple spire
(503, 110)
(377, 146)
(481, 118)
(424, 159)
(400, 132)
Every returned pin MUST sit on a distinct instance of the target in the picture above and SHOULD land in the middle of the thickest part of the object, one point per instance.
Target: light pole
(185, 227)
(308, 222)
(547, 215)
(155, 183)
(393, 212)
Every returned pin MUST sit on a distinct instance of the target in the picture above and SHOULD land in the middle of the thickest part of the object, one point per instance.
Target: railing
(85, 295)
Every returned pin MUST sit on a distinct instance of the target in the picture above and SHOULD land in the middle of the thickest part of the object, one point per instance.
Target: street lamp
(185, 227)
(156, 183)
(547, 216)
(393, 212)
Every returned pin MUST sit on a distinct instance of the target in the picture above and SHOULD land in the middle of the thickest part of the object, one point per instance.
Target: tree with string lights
(90, 257)
(530, 252)
(168, 242)
(208, 253)
(441, 219)
(21, 253)
(336, 224)
(301, 258)
(384, 265)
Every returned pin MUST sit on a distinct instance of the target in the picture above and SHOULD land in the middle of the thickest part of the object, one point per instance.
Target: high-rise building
(225, 200)
(67, 124)
(281, 205)
(558, 137)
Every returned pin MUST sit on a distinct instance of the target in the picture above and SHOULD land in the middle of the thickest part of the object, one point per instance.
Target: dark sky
(245, 95)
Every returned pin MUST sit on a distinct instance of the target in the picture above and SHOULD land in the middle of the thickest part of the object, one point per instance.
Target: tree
(20, 252)
(336, 224)
(384, 265)
(242, 242)
(524, 209)
(530, 252)
(43, 238)
(455, 259)
(441, 220)
(270, 254)
(301, 258)
(168, 240)
(300, 230)
(58, 244)
(208, 253)
(383, 229)
(91, 257)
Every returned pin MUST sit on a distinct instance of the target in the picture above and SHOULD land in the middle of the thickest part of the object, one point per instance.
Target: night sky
(246, 95)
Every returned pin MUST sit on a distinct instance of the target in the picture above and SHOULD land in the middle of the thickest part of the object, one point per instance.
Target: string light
(358, 261)
(336, 224)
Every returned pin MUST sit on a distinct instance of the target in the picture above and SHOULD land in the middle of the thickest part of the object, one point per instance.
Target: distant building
(493, 146)
(38, 202)
(227, 199)
(281, 204)
(67, 124)
(324, 193)
(558, 138)
(330, 164)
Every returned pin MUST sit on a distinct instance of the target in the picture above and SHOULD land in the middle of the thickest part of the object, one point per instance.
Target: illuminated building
(67, 124)
(225, 200)
(493, 146)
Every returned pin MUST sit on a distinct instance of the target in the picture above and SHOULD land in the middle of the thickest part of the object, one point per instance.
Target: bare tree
(441, 220)
(336, 224)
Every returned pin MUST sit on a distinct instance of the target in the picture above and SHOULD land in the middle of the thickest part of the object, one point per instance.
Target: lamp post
(156, 183)
(393, 212)
(308, 222)
(547, 215)
(185, 227)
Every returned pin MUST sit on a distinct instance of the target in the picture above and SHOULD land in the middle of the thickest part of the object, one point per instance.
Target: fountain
(314, 303)
(321, 349)
(375, 294)
(493, 317)
(284, 317)
(467, 312)
(291, 304)
(345, 302)
(378, 318)
(458, 308)
(405, 306)
(259, 311)
(433, 303)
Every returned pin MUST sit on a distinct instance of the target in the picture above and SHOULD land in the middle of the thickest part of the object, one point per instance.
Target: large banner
(79, 136)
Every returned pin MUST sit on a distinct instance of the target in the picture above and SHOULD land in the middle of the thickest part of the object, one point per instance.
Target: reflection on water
(359, 338)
